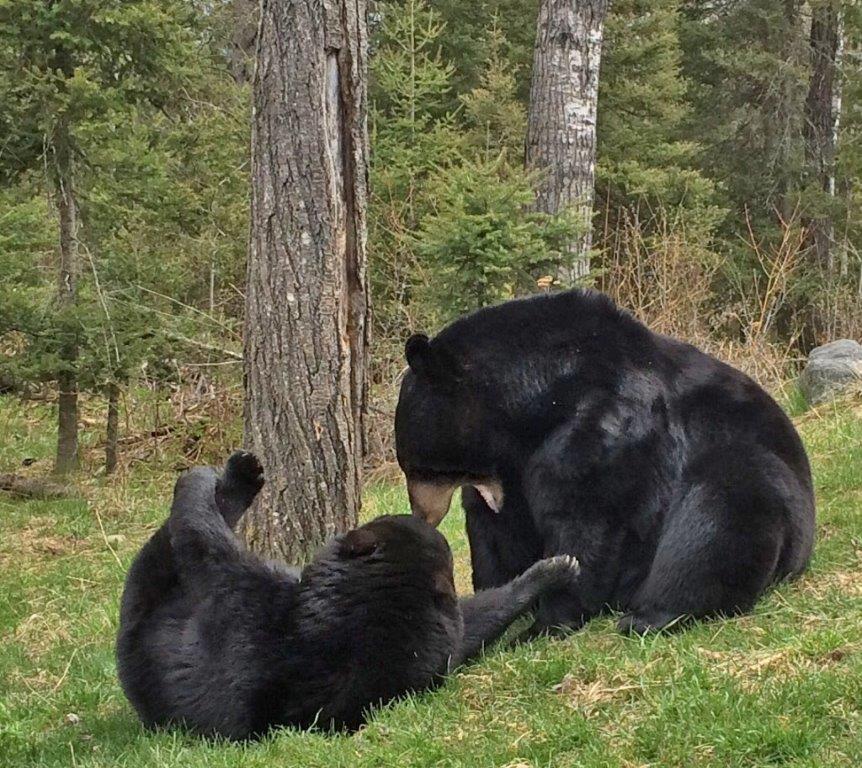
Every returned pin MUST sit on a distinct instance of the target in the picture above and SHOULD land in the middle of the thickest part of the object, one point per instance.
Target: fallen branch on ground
(35, 487)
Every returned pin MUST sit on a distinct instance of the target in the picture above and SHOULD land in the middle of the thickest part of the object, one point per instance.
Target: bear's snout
(430, 499)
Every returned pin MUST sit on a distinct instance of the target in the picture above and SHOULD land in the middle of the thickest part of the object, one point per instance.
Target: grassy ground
(781, 687)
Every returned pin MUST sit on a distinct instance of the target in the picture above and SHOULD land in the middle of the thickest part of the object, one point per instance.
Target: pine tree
(160, 192)
(413, 132)
(62, 66)
(498, 121)
(468, 40)
(746, 65)
(644, 161)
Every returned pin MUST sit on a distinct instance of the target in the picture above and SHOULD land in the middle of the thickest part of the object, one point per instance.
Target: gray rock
(831, 370)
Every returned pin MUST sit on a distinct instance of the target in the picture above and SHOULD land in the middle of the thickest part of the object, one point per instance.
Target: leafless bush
(656, 271)
(669, 279)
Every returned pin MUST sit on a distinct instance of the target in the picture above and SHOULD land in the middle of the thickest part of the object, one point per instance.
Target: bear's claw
(557, 571)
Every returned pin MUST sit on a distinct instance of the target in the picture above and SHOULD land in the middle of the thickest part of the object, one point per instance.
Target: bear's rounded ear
(417, 350)
(431, 360)
(358, 543)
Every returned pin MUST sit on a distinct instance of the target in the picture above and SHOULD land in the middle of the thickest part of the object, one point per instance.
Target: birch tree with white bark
(561, 131)
(822, 115)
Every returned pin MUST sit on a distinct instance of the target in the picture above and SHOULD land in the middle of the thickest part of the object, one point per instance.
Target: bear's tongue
(492, 494)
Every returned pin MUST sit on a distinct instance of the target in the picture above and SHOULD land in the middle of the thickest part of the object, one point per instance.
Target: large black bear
(215, 639)
(678, 483)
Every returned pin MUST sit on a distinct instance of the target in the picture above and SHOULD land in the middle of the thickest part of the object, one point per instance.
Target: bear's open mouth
(431, 499)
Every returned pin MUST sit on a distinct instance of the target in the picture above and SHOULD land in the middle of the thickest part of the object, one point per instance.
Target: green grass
(780, 687)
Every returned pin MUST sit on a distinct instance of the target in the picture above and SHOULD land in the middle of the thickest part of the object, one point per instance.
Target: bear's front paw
(244, 469)
(558, 571)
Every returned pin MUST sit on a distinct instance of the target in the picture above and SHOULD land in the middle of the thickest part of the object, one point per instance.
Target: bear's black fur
(678, 483)
(215, 639)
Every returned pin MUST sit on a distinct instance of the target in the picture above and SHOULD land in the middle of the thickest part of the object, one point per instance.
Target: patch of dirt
(56, 545)
(38, 542)
(40, 538)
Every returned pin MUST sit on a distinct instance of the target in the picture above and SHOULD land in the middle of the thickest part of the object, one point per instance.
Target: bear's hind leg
(650, 621)
(718, 554)
(200, 537)
(565, 610)
(559, 612)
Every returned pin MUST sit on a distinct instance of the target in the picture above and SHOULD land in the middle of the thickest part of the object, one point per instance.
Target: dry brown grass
(667, 278)
(586, 696)
(653, 269)
(752, 668)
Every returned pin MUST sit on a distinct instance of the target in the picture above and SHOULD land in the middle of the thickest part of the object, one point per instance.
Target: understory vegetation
(705, 197)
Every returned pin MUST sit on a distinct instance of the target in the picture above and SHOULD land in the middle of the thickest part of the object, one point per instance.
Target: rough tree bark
(561, 131)
(67, 383)
(306, 295)
(35, 487)
(822, 114)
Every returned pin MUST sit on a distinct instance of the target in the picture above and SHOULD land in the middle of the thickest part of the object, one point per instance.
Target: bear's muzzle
(431, 499)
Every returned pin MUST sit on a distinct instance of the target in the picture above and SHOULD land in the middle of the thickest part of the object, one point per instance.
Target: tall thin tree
(244, 20)
(67, 281)
(822, 114)
(561, 130)
(306, 296)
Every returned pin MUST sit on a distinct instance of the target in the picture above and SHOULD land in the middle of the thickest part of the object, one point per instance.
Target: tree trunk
(35, 487)
(67, 383)
(785, 127)
(820, 133)
(561, 132)
(112, 430)
(306, 295)
(822, 113)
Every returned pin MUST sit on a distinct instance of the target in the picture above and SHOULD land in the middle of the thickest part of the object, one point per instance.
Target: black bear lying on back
(678, 483)
(215, 639)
